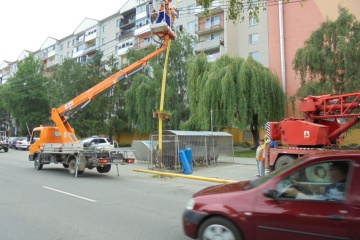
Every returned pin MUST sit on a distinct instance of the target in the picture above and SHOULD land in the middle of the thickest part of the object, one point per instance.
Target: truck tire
(72, 167)
(283, 160)
(318, 173)
(37, 163)
(6, 149)
(104, 169)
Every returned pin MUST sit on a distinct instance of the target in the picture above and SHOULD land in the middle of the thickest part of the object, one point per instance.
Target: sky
(25, 25)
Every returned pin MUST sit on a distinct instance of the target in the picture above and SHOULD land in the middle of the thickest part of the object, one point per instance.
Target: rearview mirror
(270, 193)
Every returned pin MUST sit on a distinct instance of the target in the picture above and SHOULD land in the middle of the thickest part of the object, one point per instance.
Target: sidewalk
(242, 169)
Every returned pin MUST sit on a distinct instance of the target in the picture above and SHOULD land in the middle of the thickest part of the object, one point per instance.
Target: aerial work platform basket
(162, 30)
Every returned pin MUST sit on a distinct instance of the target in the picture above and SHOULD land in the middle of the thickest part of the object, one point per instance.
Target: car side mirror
(270, 193)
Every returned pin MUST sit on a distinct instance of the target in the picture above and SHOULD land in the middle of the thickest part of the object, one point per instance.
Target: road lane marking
(70, 194)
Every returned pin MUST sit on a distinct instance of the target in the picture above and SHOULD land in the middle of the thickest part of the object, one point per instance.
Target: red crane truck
(326, 119)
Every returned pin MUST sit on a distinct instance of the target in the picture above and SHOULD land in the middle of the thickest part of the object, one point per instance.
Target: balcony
(202, 29)
(128, 21)
(126, 34)
(142, 30)
(90, 37)
(207, 45)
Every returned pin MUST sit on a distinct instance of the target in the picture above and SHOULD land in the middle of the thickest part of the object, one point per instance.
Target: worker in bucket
(164, 11)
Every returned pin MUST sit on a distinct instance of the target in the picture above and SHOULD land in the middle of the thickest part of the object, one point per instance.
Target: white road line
(73, 195)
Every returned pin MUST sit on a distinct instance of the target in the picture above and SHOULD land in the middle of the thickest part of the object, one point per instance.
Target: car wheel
(6, 149)
(104, 169)
(37, 163)
(218, 228)
(283, 160)
(66, 165)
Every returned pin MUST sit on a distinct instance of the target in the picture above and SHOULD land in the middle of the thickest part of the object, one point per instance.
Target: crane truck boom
(59, 144)
(327, 118)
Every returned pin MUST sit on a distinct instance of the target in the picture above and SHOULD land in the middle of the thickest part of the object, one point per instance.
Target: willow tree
(197, 74)
(329, 61)
(261, 98)
(240, 93)
(143, 95)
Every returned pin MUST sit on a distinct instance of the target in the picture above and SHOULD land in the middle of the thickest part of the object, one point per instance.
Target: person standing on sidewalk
(260, 158)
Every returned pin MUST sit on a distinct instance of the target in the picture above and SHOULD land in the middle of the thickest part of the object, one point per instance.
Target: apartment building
(289, 25)
(273, 41)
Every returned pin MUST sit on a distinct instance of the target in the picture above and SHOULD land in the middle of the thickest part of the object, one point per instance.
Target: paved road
(51, 204)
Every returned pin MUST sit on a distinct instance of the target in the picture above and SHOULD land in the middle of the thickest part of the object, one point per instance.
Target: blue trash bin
(188, 153)
(185, 163)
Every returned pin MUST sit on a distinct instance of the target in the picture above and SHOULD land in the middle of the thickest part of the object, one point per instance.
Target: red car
(315, 197)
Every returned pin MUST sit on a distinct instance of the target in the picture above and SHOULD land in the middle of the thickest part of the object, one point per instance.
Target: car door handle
(335, 217)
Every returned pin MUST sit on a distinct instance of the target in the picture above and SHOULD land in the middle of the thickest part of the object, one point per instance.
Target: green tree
(67, 81)
(239, 10)
(143, 96)
(261, 98)
(239, 93)
(27, 94)
(329, 61)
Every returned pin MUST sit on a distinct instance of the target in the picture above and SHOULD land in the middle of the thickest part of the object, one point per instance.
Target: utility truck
(4, 144)
(58, 144)
(324, 125)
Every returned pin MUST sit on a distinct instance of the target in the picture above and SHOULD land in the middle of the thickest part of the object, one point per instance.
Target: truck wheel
(283, 160)
(72, 167)
(218, 227)
(318, 173)
(37, 163)
(6, 149)
(104, 169)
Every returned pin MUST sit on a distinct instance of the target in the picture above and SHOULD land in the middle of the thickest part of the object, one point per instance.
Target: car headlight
(190, 204)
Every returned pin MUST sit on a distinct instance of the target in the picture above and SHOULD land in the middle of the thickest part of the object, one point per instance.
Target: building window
(118, 23)
(252, 21)
(104, 28)
(254, 38)
(191, 9)
(141, 9)
(61, 47)
(211, 21)
(255, 56)
(103, 41)
(191, 27)
(212, 36)
(179, 28)
(147, 41)
(69, 43)
(142, 22)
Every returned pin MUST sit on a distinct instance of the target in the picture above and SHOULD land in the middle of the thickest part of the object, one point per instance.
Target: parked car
(12, 141)
(22, 143)
(311, 198)
(95, 141)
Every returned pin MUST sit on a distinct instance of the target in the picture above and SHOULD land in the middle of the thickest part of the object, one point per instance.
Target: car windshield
(257, 182)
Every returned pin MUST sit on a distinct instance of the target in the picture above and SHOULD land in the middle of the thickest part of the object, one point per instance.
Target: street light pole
(212, 132)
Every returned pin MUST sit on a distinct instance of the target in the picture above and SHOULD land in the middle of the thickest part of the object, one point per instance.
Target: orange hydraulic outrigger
(58, 115)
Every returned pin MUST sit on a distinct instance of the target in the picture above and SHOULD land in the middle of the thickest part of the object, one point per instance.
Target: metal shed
(208, 148)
